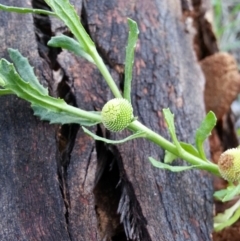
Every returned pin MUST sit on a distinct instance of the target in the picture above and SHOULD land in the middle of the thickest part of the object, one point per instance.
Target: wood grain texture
(106, 192)
(168, 206)
(31, 203)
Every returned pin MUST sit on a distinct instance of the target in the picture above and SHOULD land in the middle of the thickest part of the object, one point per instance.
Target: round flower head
(117, 114)
(229, 165)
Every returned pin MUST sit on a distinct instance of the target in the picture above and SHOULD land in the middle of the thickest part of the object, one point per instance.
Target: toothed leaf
(46, 107)
(61, 117)
(25, 70)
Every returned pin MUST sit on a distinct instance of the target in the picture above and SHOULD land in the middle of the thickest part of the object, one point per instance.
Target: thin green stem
(5, 92)
(83, 37)
(50, 102)
(83, 113)
(25, 10)
(167, 145)
(69, 16)
(104, 71)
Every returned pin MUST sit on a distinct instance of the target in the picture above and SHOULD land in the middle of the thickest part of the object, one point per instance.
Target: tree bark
(56, 183)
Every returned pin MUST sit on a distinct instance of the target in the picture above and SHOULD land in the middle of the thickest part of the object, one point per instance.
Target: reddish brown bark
(78, 189)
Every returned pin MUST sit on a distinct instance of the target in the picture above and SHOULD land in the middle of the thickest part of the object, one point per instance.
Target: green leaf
(5, 92)
(229, 217)
(138, 134)
(70, 44)
(204, 131)
(189, 148)
(169, 157)
(26, 91)
(2, 83)
(62, 117)
(25, 10)
(227, 194)
(164, 166)
(219, 195)
(132, 40)
(26, 70)
(65, 11)
(169, 118)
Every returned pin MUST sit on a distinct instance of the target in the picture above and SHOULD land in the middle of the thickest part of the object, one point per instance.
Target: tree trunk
(56, 183)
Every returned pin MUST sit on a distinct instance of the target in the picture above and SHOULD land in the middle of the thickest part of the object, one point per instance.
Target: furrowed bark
(74, 188)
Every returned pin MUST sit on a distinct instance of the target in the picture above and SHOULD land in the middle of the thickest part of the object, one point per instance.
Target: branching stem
(167, 145)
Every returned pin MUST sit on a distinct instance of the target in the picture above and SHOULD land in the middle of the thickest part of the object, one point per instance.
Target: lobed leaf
(42, 103)
(62, 117)
(25, 70)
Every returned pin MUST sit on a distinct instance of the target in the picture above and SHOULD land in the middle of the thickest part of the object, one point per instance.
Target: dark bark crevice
(118, 211)
(43, 33)
(131, 214)
(195, 15)
(59, 87)
(107, 193)
(35, 208)
(127, 204)
(226, 132)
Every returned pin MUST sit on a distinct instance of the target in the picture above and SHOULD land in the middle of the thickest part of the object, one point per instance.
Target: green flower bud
(117, 114)
(229, 165)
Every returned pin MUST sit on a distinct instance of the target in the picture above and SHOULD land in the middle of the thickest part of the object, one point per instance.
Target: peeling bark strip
(90, 190)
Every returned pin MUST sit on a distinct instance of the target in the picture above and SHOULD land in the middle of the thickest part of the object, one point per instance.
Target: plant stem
(104, 71)
(5, 92)
(167, 145)
(82, 113)
(25, 10)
